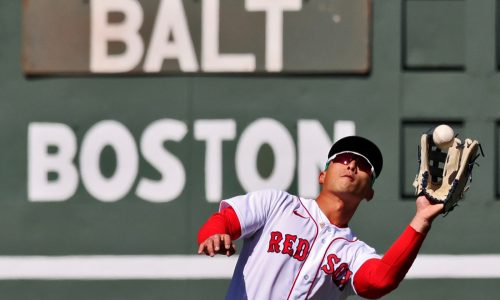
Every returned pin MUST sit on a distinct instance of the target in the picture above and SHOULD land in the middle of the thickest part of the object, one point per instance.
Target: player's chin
(353, 191)
(347, 185)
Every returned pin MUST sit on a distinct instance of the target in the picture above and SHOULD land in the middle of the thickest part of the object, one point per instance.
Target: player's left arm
(426, 213)
(378, 277)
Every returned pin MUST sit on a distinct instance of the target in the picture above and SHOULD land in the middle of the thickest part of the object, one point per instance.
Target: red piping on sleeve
(378, 277)
(223, 222)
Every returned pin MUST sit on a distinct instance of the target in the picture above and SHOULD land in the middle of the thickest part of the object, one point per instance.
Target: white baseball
(443, 136)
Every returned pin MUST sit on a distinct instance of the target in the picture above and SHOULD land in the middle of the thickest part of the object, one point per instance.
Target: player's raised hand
(426, 213)
(427, 209)
(217, 244)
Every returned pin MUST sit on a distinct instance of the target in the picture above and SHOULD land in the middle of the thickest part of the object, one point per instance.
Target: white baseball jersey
(291, 251)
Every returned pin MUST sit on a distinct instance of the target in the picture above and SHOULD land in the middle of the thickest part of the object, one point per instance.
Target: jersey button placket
(309, 268)
(326, 233)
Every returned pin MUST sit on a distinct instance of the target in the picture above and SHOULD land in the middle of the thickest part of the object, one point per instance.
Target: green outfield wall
(116, 148)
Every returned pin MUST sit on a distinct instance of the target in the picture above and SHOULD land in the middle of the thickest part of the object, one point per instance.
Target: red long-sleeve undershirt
(378, 277)
(375, 278)
(224, 222)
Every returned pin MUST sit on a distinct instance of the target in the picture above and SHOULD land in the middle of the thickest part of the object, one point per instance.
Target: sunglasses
(346, 158)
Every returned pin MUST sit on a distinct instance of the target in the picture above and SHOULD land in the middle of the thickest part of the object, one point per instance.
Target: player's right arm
(240, 216)
(216, 236)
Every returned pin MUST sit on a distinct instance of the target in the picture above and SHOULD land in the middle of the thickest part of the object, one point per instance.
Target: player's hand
(217, 244)
(426, 213)
(427, 209)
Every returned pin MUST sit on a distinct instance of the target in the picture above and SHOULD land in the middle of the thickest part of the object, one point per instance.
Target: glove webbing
(436, 163)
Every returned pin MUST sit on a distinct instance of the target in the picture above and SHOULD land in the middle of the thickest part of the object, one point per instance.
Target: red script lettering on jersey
(339, 271)
(290, 245)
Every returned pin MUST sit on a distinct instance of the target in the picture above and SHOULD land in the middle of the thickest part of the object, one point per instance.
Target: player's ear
(322, 174)
(321, 177)
(369, 194)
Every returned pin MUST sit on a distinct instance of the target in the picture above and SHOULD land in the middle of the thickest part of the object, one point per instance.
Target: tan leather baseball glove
(444, 176)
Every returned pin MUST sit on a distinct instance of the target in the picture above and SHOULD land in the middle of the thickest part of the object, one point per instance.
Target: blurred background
(125, 122)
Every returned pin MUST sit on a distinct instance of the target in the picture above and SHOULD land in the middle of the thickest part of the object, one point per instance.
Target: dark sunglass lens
(346, 158)
(363, 165)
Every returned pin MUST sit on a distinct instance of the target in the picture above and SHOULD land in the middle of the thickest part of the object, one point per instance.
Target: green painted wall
(425, 68)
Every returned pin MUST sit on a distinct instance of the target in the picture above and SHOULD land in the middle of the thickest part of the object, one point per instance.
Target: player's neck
(338, 211)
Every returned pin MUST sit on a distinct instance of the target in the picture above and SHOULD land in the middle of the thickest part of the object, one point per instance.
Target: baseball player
(296, 248)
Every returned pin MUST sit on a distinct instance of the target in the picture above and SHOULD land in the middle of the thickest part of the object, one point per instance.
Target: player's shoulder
(273, 193)
(275, 197)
